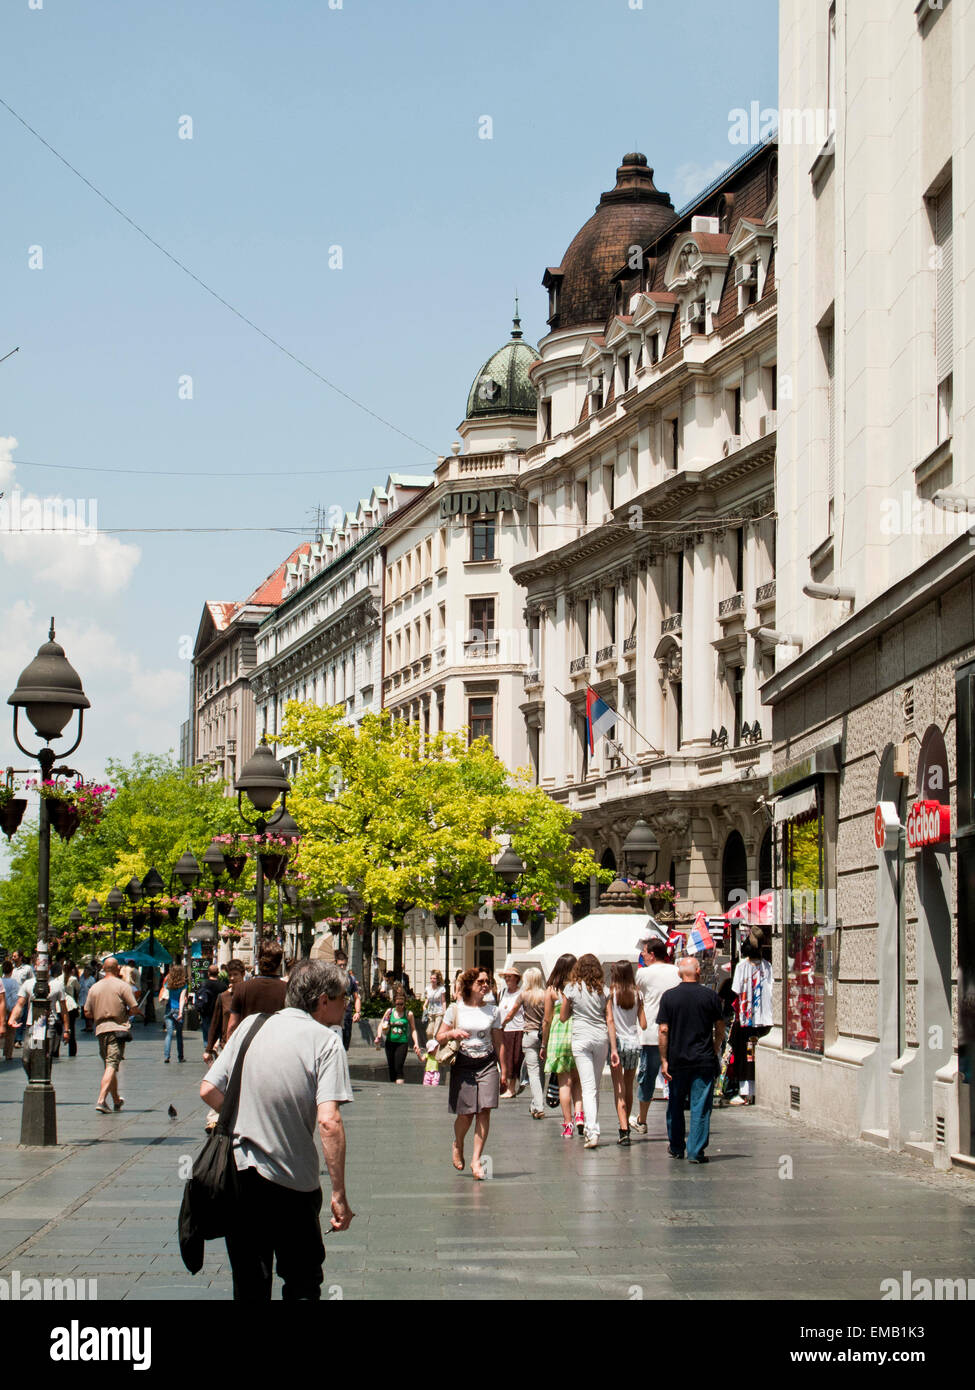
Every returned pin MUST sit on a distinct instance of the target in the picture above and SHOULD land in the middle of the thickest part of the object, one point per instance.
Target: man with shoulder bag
(293, 1080)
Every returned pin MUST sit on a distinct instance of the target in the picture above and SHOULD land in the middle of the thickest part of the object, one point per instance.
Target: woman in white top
(474, 1075)
(629, 1017)
(587, 1003)
(435, 1003)
(751, 988)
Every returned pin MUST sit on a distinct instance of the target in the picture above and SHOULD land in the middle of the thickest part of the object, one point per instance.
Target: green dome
(503, 386)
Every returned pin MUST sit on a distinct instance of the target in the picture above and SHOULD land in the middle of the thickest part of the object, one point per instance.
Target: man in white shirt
(652, 981)
(22, 969)
(294, 1080)
(57, 1018)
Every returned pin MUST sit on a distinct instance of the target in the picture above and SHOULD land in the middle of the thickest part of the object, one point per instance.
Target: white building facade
(650, 572)
(871, 699)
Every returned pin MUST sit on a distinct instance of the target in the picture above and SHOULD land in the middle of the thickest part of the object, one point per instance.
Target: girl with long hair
(586, 1001)
(555, 1053)
(629, 1017)
(533, 1004)
(173, 993)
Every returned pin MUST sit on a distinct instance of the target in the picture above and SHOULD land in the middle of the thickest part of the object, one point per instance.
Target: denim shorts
(649, 1067)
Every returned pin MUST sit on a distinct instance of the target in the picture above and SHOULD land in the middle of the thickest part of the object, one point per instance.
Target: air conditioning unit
(695, 312)
(705, 224)
(594, 386)
(745, 274)
(731, 445)
(766, 423)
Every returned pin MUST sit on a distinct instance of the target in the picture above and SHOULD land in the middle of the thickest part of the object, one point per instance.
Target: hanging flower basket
(172, 911)
(11, 814)
(224, 906)
(502, 915)
(200, 906)
(273, 866)
(235, 865)
(65, 817)
(442, 920)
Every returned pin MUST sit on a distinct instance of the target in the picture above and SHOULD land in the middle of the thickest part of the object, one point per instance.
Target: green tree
(402, 821)
(159, 811)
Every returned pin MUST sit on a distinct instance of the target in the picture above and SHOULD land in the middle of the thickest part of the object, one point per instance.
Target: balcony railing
(606, 654)
(728, 607)
(629, 645)
(765, 593)
(532, 678)
(577, 664)
(478, 650)
(671, 624)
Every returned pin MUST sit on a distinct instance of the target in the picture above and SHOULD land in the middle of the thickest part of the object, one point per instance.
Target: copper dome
(631, 214)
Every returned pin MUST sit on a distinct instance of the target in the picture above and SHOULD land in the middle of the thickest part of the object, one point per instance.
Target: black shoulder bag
(210, 1194)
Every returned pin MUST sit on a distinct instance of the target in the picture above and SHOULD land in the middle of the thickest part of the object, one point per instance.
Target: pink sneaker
(567, 1130)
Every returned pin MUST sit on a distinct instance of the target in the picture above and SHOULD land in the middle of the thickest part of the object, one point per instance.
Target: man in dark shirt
(691, 1024)
(206, 999)
(264, 993)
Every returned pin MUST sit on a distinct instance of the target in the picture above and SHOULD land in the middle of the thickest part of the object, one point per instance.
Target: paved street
(555, 1221)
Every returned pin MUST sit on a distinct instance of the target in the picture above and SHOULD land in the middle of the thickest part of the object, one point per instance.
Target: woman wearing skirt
(477, 1074)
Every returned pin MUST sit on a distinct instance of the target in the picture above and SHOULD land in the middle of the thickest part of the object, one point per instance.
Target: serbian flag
(699, 938)
(599, 717)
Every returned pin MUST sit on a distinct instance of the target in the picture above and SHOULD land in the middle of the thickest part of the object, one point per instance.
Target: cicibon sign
(928, 823)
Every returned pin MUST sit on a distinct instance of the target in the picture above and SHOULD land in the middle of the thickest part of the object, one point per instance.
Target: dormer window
(553, 301)
(624, 371)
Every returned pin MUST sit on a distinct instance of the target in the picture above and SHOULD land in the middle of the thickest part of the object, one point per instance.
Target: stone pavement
(554, 1221)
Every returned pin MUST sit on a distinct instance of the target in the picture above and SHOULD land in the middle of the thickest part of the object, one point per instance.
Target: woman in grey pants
(532, 1000)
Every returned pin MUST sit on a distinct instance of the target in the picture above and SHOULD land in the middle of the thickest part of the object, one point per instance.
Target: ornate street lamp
(262, 780)
(509, 870)
(114, 903)
(49, 691)
(640, 850)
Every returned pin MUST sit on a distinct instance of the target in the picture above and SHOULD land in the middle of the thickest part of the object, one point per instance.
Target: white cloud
(57, 537)
(694, 178)
(134, 707)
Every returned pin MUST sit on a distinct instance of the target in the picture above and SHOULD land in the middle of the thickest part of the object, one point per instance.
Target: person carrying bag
(210, 1195)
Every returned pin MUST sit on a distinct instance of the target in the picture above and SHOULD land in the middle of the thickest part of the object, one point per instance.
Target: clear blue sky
(312, 127)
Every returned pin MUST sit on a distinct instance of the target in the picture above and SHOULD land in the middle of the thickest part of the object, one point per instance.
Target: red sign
(879, 829)
(928, 823)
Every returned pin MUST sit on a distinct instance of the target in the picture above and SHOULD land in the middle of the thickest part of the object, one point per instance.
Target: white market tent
(608, 936)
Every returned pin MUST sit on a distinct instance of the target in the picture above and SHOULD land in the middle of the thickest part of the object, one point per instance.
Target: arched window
(608, 860)
(734, 872)
(581, 908)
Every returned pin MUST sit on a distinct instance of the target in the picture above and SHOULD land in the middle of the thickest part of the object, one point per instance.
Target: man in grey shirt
(295, 1077)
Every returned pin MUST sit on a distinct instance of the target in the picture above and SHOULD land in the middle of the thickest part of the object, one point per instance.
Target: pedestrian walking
(395, 1029)
(455, 987)
(474, 1089)
(512, 1026)
(431, 1067)
(111, 1005)
(173, 996)
(353, 1004)
(294, 1081)
(23, 970)
(220, 1021)
(11, 988)
(629, 1017)
(264, 993)
(533, 1003)
(69, 983)
(587, 1002)
(85, 982)
(130, 975)
(555, 1053)
(55, 1015)
(652, 980)
(691, 1032)
(206, 999)
(751, 989)
(434, 1005)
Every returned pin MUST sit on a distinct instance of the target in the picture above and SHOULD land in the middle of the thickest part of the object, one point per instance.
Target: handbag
(446, 1053)
(210, 1197)
(552, 1092)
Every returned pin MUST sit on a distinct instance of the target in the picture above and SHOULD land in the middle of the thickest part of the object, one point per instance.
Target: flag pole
(620, 717)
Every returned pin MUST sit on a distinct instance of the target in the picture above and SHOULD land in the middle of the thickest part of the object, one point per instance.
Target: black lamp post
(114, 903)
(286, 827)
(188, 871)
(214, 861)
(263, 780)
(94, 911)
(49, 691)
(640, 850)
(152, 887)
(509, 869)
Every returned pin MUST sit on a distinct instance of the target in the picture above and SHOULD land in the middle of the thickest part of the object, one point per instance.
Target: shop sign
(928, 823)
(481, 503)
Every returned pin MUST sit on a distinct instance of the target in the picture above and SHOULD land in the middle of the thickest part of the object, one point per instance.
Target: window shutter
(943, 319)
(830, 416)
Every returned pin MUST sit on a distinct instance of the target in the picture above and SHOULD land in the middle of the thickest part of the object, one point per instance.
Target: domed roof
(503, 386)
(631, 214)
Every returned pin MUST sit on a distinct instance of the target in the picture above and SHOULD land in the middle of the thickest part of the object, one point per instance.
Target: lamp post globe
(262, 780)
(187, 869)
(213, 859)
(94, 910)
(114, 900)
(133, 890)
(49, 691)
(640, 850)
(509, 867)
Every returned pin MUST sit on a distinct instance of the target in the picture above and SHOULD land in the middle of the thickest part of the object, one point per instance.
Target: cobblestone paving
(554, 1220)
